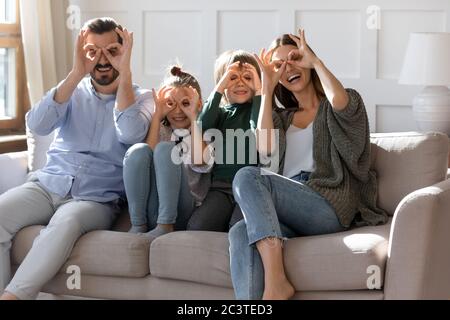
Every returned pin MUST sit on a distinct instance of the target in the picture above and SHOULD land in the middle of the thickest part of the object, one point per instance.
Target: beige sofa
(409, 257)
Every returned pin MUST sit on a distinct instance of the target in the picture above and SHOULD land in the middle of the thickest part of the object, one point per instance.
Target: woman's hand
(162, 103)
(229, 77)
(190, 103)
(271, 71)
(303, 57)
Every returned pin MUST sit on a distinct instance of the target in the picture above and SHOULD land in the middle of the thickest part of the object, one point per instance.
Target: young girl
(149, 166)
(238, 84)
(324, 183)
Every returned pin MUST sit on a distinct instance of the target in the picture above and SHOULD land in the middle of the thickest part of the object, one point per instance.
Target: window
(12, 73)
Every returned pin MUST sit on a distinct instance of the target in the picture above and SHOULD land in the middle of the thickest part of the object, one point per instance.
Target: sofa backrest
(406, 162)
(37, 150)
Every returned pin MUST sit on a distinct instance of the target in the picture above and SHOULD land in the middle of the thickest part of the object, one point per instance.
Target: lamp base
(431, 109)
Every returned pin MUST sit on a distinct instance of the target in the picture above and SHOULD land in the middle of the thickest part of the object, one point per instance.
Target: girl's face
(239, 91)
(294, 78)
(178, 100)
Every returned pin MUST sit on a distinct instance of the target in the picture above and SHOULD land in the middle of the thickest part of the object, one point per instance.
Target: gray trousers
(66, 219)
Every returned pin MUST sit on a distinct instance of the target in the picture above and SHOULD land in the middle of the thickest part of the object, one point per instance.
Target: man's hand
(120, 55)
(86, 56)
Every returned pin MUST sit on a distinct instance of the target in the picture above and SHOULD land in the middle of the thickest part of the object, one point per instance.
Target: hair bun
(176, 71)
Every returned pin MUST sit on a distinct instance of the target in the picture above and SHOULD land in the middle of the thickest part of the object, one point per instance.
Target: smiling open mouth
(294, 77)
(103, 68)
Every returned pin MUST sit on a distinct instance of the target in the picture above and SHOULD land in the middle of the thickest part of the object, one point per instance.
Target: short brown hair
(103, 25)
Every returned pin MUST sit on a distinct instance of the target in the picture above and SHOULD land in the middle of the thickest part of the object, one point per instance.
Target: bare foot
(8, 296)
(283, 291)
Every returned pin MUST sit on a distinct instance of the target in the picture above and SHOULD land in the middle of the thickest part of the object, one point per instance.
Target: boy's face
(239, 91)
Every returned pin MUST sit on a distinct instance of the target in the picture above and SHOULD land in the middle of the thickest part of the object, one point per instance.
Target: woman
(324, 183)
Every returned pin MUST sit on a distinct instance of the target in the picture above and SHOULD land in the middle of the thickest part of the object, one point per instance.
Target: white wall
(197, 31)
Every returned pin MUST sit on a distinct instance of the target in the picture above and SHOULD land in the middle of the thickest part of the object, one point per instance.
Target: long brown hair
(178, 78)
(283, 95)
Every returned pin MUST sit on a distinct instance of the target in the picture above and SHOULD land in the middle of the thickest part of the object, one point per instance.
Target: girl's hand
(303, 57)
(230, 76)
(163, 103)
(190, 103)
(271, 71)
(251, 78)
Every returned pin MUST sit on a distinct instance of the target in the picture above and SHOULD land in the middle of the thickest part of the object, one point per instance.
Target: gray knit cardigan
(341, 151)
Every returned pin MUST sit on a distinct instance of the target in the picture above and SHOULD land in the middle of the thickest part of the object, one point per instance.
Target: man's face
(103, 74)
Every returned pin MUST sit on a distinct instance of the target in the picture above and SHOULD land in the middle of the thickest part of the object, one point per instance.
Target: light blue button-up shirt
(85, 158)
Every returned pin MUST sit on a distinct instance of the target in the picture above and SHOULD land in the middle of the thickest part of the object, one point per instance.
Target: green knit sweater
(341, 151)
(234, 117)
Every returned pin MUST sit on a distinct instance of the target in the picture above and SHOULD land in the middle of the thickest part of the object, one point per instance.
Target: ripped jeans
(273, 206)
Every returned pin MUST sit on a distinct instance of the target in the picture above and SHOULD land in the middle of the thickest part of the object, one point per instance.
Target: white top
(299, 151)
(105, 96)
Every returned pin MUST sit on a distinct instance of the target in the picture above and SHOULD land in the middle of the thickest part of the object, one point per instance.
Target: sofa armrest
(418, 265)
(13, 170)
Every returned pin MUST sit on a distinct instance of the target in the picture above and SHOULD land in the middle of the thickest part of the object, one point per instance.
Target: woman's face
(294, 78)
(176, 117)
(239, 91)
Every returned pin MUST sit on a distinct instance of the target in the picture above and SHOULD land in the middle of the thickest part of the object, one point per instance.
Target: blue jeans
(157, 189)
(273, 206)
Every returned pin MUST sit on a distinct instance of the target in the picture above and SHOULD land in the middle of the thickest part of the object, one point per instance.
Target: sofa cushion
(339, 261)
(198, 256)
(105, 253)
(329, 262)
(407, 161)
(13, 170)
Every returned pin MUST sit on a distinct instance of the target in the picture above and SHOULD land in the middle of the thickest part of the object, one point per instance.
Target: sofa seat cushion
(105, 253)
(328, 262)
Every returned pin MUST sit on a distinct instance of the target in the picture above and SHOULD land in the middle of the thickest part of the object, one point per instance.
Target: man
(80, 189)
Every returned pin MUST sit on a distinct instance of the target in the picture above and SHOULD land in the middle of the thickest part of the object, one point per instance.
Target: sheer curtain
(40, 65)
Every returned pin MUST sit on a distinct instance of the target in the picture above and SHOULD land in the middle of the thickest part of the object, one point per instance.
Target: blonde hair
(231, 56)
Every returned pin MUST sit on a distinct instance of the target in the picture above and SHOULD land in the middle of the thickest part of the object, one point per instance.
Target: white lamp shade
(427, 60)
